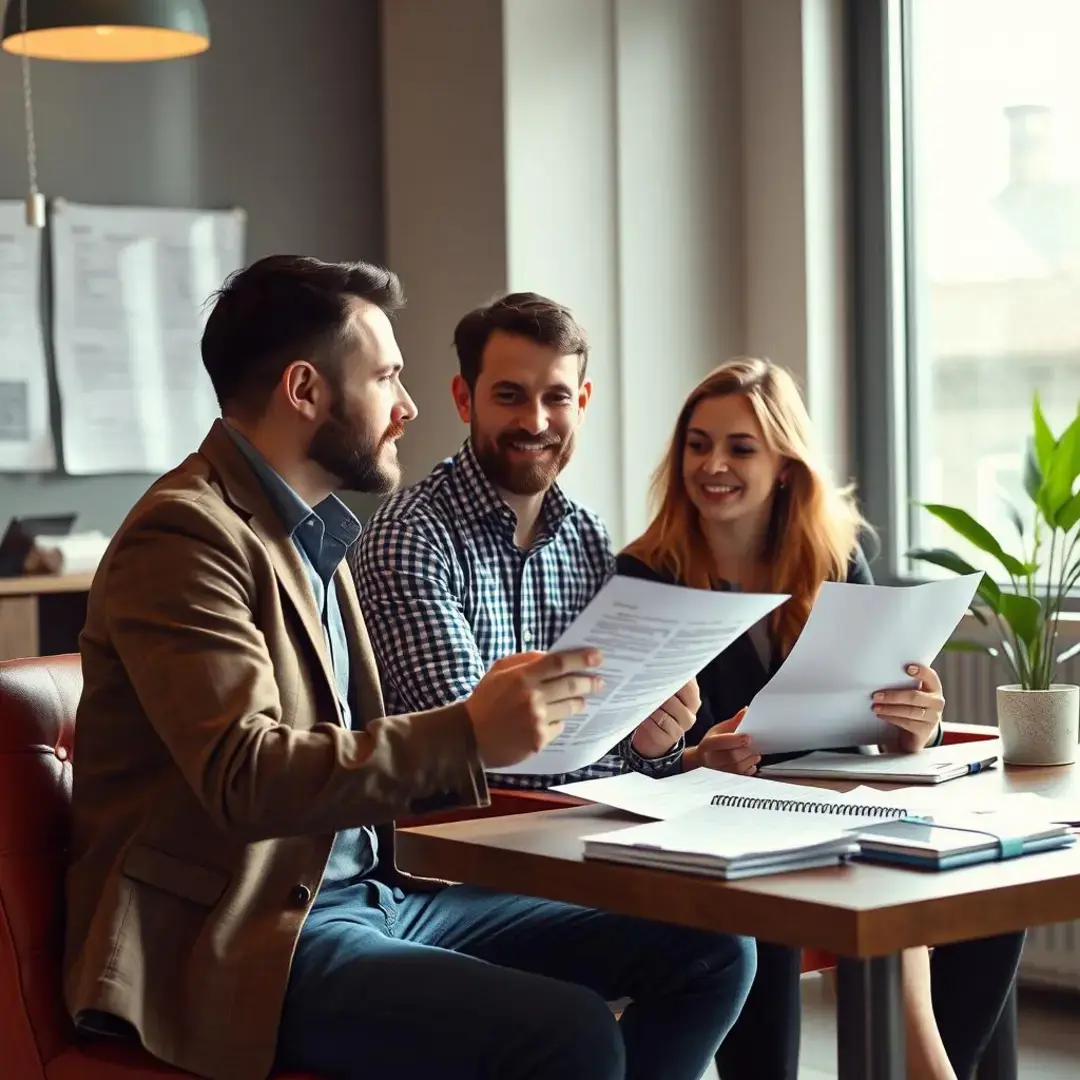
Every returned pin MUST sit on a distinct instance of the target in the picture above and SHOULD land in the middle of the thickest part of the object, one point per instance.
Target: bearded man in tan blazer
(233, 901)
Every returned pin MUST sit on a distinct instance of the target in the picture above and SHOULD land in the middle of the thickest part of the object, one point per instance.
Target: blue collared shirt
(322, 536)
(446, 592)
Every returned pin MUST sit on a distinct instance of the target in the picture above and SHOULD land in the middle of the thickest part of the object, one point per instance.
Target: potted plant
(1037, 716)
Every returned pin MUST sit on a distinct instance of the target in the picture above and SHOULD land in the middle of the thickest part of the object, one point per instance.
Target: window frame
(882, 314)
(883, 259)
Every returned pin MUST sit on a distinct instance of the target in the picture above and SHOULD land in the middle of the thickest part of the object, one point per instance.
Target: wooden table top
(37, 584)
(852, 910)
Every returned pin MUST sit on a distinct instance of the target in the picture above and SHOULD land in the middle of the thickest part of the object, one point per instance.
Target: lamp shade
(106, 30)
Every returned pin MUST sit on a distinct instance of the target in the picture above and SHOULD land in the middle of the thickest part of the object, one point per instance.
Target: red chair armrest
(504, 801)
(962, 733)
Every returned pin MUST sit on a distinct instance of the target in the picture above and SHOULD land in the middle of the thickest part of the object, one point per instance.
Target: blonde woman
(742, 502)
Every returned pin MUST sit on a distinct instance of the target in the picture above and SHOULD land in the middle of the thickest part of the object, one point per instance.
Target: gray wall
(282, 117)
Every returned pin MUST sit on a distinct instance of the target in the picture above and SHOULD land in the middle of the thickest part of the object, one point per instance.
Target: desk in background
(42, 616)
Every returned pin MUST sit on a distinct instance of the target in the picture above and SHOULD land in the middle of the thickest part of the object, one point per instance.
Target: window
(967, 179)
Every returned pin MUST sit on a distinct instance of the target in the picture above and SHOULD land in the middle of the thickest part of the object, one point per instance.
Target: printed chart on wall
(130, 292)
(26, 442)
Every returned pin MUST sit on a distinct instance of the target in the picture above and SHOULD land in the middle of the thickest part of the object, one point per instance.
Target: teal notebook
(946, 841)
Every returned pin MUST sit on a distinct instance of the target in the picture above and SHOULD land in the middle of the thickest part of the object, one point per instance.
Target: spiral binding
(745, 802)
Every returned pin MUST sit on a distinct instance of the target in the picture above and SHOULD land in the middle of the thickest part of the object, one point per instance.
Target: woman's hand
(724, 749)
(916, 712)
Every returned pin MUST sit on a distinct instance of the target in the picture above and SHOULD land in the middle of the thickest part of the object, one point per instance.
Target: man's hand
(724, 749)
(665, 727)
(520, 705)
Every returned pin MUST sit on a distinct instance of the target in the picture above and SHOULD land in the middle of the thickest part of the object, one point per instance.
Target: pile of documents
(728, 843)
(727, 826)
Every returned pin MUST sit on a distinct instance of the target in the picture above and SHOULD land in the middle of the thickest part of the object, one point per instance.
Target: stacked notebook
(727, 843)
(748, 827)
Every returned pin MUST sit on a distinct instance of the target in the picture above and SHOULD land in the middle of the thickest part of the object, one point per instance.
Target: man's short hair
(526, 315)
(281, 309)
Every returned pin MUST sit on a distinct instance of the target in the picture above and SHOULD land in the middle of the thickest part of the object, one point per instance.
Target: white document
(655, 639)
(960, 798)
(858, 639)
(130, 291)
(673, 796)
(26, 442)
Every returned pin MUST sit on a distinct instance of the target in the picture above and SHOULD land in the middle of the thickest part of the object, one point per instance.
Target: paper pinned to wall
(26, 440)
(130, 287)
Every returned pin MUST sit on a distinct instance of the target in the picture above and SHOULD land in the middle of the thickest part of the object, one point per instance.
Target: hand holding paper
(655, 639)
(522, 703)
(857, 641)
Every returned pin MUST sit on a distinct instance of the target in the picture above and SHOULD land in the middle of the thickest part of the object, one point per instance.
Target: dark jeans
(471, 984)
(969, 981)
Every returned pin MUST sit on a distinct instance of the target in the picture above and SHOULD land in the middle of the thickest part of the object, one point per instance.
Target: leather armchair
(37, 1040)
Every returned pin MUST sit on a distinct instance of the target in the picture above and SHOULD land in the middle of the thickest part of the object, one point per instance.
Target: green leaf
(1024, 614)
(1069, 514)
(962, 522)
(948, 560)
(1033, 475)
(1061, 471)
(979, 616)
(969, 645)
(1044, 441)
(988, 591)
(943, 557)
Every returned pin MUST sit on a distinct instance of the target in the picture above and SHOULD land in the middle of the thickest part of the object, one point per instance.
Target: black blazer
(731, 680)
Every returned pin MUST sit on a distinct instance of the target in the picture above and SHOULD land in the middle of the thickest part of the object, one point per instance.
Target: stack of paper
(725, 843)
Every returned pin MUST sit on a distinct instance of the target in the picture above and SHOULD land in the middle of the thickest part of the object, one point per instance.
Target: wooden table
(864, 914)
(42, 615)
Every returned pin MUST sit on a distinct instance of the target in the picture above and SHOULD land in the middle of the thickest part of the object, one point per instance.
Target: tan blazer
(212, 771)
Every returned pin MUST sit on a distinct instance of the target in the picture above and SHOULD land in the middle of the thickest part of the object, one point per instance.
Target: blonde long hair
(815, 525)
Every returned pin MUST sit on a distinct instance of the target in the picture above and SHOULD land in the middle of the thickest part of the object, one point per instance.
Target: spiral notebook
(673, 796)
(837, 808)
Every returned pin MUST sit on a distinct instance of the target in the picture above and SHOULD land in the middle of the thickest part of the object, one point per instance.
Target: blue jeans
(464, 983)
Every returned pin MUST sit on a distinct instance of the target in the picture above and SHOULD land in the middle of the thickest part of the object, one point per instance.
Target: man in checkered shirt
(487, 556)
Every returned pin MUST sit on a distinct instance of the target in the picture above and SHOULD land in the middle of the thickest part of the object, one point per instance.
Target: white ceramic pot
(1039, 727)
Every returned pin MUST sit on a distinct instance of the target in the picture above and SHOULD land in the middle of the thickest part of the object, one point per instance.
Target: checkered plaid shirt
(446, 592)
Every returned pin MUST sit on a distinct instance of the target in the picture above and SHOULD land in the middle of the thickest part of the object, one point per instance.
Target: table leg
(870, 1019)
(1000, 1060)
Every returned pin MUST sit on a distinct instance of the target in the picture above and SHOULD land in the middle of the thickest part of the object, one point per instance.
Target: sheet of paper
(26, 441)
(655, 639)
(679, 794)
(973, 799)
(130, 287)
(857, 639)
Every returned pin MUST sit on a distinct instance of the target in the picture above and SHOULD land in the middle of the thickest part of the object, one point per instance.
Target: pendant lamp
(105, 30)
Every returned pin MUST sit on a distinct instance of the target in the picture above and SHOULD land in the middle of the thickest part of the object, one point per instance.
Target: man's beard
(520, 476)
(354, 458)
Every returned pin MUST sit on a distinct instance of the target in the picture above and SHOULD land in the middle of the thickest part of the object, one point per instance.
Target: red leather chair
(37, 1040)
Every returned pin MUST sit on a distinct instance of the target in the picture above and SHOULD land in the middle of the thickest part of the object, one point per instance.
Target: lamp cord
(28, 105)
